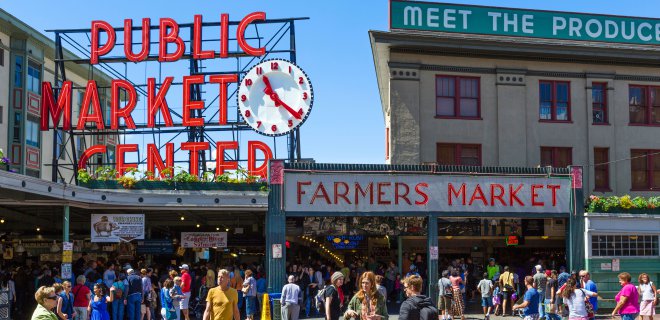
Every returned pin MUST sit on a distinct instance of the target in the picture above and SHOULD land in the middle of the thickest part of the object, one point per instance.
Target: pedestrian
(262, 288)
(369, 302)
(133, 297)
(648, 293)
(65, 302)
(334, 297)
(444, 296)
(497, 299)
(109, 275)
(250, 292)
(167, 309)
(397, 287)
(579, 307)
(416, 306)
(177, 296)
(312, 290)
(506, 285)
(146, 294)
(81, 297)
(457, 295)
(379, 286)
(627, 304)
(492, 268)
(186, 281)
(46, 301)
(530, 304)
(485, 288)
(551, 296)
(98, 307)
(390, 278)
(222, 300)
(290, 299)
(588, 284)
(540, 281)
(119, 304)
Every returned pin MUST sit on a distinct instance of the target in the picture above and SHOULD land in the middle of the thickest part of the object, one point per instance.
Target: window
(602, 169)
(111, 155)
(557, 157)
(18, 72)
(599, 103)
(80, 145)
(17, 138)
(624, 246)
(457, 97)
(555, 99)
(60, 144)
(34, 78)
(32, 133)
(2, 112)
(644, 105)
(458, 154)
(2, 57)
(645, 169)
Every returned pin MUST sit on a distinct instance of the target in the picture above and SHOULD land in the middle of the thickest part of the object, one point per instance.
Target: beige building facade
(489, 100)
(28, 59)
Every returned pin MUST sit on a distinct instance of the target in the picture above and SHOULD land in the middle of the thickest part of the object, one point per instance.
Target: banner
(117, 227)
(456, 18)
(203, 239)
(408, 193)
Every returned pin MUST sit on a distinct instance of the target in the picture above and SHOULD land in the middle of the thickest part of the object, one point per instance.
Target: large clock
(275, 97)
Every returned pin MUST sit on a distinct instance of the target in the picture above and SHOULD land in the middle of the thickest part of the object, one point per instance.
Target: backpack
(320, 300)
(118, 292)
(428, 312)
(445, 290)
(203, 292)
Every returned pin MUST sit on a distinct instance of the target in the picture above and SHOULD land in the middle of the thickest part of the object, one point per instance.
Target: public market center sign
(469, 19)
(351, 192)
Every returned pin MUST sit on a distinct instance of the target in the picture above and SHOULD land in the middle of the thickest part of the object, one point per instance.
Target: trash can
(275, 305)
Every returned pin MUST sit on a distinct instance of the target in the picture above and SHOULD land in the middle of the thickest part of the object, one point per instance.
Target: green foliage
(622, 204)
(105, 173)
(184, 176)
(84, 176)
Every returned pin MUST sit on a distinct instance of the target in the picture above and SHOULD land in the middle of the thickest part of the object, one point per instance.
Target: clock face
(275, 97)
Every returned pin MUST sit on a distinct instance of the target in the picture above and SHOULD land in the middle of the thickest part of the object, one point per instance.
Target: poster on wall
(203, 239)
(117, 227)
(324, 225)
(376, 226)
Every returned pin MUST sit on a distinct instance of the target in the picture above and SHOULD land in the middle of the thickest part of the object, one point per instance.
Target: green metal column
(275, 231)
(399, 261)
(577, 248)
(65, 225)
(432, 242)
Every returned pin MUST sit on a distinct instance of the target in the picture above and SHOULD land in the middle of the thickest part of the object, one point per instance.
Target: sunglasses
(52, 298)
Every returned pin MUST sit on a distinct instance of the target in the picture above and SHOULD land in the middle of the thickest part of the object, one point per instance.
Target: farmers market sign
(519, 22)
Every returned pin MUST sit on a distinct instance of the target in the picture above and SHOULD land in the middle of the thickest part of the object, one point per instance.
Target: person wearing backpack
(445, 295)
(119, 303)
(417, 306)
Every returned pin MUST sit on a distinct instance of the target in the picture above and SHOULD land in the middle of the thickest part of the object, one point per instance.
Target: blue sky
(346, 124)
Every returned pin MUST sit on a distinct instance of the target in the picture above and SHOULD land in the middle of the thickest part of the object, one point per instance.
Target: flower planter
(101, 184)
(162, 185)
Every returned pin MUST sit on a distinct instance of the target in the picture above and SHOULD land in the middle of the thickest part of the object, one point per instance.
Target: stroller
(198, 305)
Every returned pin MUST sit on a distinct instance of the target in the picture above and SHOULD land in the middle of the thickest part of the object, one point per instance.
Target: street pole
(65, 226)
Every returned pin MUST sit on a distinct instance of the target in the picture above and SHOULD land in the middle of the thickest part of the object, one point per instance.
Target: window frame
(648, 104)
(613, 237)
(606, 120)
(554, 155)
(33, 67)
(553, 105)
(457, 97)
(603, 167)
(32, 123)
(650, 154)
(458, 147)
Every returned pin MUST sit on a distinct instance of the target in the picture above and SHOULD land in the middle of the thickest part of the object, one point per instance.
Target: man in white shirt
(290, 300)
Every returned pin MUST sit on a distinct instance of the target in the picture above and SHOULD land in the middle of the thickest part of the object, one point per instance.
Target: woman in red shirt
(81, 296)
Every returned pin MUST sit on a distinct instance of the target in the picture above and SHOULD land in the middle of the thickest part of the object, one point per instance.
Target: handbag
(507, 286)
(170, 314)
(550, 308)
(587, 305)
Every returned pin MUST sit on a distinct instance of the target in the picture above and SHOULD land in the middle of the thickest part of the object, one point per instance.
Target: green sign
(445, 17)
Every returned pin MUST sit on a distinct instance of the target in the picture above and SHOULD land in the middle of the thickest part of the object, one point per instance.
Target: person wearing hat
(492, 268)
(186, 281)
(334, 297)
(133, 298)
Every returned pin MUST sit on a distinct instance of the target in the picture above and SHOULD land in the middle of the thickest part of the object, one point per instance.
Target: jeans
(240, 299)
(133, 306)
(629, 316)
(81, 313)
(551, 316)
(541, 304)
(118, 309)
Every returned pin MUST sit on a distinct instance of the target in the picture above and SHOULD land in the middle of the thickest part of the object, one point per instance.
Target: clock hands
(278, 102)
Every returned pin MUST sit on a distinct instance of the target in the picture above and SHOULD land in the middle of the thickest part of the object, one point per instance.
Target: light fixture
(217, 229)
(198, 225)
(544, 237)
(38, 229)
(182, 218)
(54, 248)
(2, 220)
(449, 237)
(227, 229)
(19, 248)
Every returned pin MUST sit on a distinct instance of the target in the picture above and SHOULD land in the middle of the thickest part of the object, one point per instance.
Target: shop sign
(117, 227)
(66, 271)
(616, 265)
(406, 193)
(345, 242)
(433, 253)
(512, 241)
(455, 18)
(606, 266)
(277, 251)
(203, 239)
(155, 246)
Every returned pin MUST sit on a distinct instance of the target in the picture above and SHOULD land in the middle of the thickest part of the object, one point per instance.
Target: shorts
(532, 317)
(250, 305)
(629, 316)
(646, 308)
(184, 302)
(486, 302)
(444, 303)
(506, 295)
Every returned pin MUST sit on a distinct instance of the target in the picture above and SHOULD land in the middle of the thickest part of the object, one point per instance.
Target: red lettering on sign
(91, 96)
(194, 148)
(381, 192)
(224, 35)
(122, 112)
(240, 34)
(451, 192)
(128, 40)
(95, 51)
(48, 106)
(343, 194)
(197, 51)
(422, 193)
(494, 196)
(513, 196)
(300, 191)
(535, 195)
(189, 103)
(82, 160)
(403, 195)
(169, 37)
(220, 164)
(478, 194)
(157, 102)
(320, 192)
(223, 80)
(121, 150)
(553, 188)
(363, 192)
(154, 160)
(261, 170)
